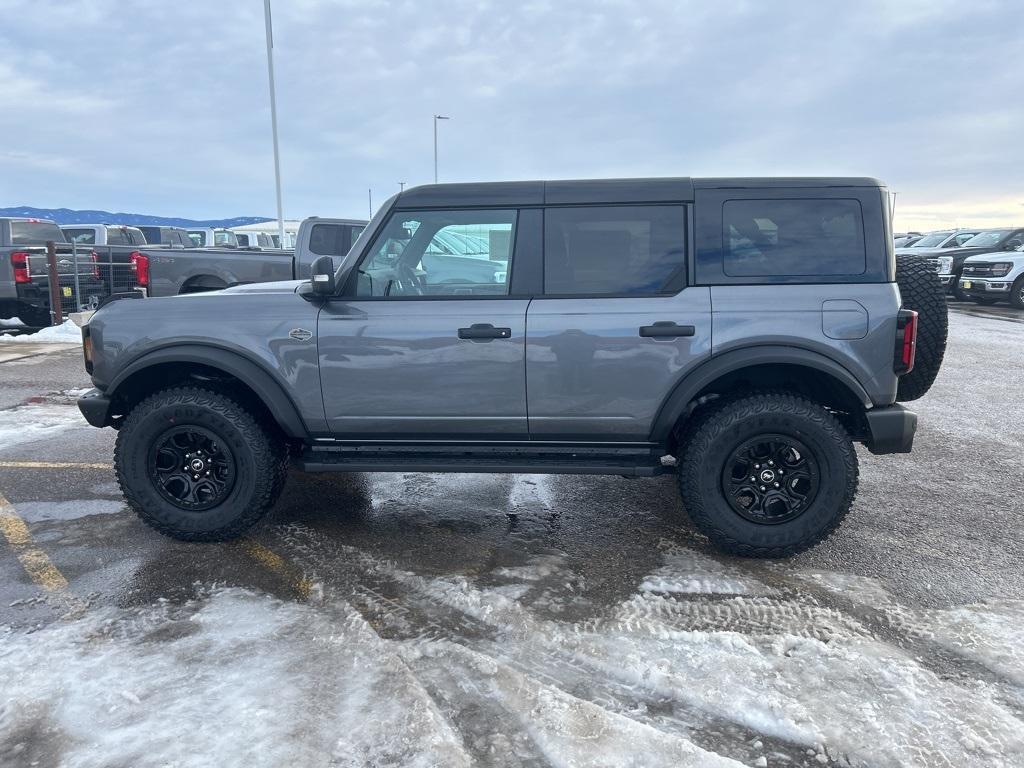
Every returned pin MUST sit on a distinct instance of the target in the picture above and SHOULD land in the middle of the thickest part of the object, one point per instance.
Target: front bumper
(892, 429)
(95, 406)
(985, 285)
(948, 281)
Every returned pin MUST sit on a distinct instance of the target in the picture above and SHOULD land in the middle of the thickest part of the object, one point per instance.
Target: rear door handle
(665, 329)
(484, 332)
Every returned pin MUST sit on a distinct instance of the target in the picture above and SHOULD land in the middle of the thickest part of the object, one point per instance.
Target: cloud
(166, 103)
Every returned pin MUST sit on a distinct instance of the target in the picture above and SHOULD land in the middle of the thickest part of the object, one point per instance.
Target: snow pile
(28, 423)
(65, 333)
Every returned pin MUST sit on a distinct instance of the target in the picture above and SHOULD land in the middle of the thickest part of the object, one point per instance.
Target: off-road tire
(922, 292)
(1017, 293)
(722, 428)
(260, 459)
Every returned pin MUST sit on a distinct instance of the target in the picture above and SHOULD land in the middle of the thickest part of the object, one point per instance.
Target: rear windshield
(987, 239)
(198, 238)
(80, 236)
(222, 237)
(35, 233)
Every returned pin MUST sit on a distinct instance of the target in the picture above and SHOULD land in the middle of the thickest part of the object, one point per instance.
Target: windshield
(932, 240)
(987, 239)
(35, 233)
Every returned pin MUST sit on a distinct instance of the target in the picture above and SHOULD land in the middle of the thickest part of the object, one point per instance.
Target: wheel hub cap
(192, 467)
(770, 479)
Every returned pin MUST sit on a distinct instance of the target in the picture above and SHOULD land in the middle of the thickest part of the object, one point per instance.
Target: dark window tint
(766, 238)
(153, 235)
(621, 250)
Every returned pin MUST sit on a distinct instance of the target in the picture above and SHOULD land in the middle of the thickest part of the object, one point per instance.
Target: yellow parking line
(33, 560)
(53, 465)
(274, 562)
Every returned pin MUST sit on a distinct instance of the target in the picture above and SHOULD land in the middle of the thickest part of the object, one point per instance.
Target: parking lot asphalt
(424, 619)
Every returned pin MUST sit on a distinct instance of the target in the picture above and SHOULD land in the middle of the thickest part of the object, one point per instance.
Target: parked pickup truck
(212, 237)
(103, 234)
(172, 237)
(739, 334)
(161, 271)
(994, 277)
(24, 278)
(951, 262)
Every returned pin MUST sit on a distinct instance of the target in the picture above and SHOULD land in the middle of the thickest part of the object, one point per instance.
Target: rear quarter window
(793, 238)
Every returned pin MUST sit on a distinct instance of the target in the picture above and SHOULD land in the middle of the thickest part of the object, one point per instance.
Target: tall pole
(436, 118)
(369, 198)
(273, 117)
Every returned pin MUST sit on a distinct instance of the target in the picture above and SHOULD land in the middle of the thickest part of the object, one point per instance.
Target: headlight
(1001, 268)
(945, 265)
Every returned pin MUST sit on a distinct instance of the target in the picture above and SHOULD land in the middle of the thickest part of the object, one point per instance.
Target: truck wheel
(921, 291)
(768, 475)
(196, 466)
(1017, 293)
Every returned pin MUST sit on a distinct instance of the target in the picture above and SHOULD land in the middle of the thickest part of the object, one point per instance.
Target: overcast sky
(161, 107)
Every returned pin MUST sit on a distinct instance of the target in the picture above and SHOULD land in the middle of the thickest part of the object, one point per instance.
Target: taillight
(906, 341)
(140, 265)
(95, 264)
(20, 264)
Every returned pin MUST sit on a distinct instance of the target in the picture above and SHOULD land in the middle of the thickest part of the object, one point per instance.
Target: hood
(282, 286)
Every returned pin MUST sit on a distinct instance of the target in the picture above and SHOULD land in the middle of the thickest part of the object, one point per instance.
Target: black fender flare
(253, 375)
(678, 401)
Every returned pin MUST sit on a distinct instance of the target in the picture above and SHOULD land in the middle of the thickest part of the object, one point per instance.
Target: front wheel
(768, 475)
(1017, 293)
(196, 466)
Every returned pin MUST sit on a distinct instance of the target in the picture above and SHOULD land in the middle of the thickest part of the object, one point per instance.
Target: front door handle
(484, 332)
(665, 329)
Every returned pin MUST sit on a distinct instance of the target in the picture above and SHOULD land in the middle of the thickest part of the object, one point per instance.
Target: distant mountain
(68, 216)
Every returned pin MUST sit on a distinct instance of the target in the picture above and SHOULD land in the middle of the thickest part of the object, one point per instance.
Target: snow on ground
(66, 333)
(707, 662)
(31, 422)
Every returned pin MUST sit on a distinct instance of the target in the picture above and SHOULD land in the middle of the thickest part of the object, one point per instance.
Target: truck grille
(978, 269)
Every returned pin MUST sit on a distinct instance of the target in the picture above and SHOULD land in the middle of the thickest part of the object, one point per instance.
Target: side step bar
(640, 461)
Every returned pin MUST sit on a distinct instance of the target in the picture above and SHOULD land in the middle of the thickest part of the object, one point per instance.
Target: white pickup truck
(992, 277)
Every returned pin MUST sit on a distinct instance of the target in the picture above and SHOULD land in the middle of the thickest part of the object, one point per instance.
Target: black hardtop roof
(581, 191)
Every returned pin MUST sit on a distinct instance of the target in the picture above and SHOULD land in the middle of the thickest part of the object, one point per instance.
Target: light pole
(273, 117)
(436, 118)
(401, 186)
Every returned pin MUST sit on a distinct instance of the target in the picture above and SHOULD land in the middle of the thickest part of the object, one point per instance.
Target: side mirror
(321, 275)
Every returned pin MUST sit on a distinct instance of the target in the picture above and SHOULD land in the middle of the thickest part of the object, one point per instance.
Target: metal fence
(85, 281)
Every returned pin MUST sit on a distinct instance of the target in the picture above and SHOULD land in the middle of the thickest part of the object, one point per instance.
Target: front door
(617, 326)
(431, 344)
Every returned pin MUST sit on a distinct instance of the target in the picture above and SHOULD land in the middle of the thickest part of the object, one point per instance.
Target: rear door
(429, 342)
(617, 325)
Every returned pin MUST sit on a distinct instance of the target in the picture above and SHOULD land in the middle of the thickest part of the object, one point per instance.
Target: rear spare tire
(922, 292)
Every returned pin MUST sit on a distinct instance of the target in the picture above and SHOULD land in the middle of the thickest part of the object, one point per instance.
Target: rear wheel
(195, 465)
(768, 475)
(922, 292)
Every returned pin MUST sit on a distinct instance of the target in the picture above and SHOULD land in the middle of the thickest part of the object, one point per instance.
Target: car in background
(951, 263)
(943, 238)
(212, 237)
(997, 276)
(172, 237)
(24, 273)
(103, 234)
(903, 240)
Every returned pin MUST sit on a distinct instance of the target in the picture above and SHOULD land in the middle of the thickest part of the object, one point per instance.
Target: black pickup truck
(24, 278)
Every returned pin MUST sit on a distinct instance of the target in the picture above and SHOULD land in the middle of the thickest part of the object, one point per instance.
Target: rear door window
(791, 237)
(614, 250)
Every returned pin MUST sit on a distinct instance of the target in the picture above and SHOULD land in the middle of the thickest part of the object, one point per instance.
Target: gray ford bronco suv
(742, 334)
